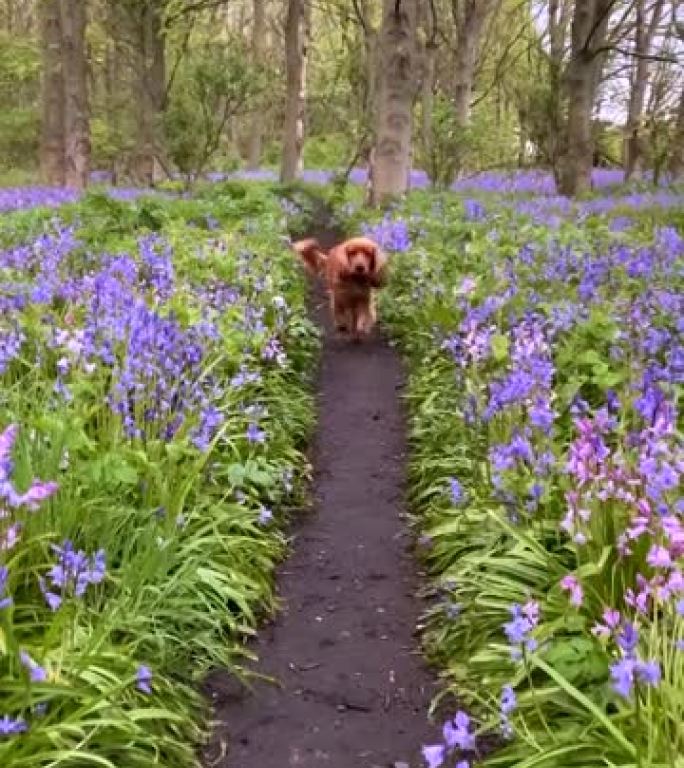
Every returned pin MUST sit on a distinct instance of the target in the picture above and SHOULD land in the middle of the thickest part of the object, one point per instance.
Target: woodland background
(140, 90)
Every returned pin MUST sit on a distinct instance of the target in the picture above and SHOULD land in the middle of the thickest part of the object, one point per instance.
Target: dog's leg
(357, 323)
(372, 312)
(340, 315)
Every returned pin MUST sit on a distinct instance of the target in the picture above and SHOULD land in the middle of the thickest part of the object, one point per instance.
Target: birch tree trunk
(52, 128)
(257, 122)
(589, 27)
(76, 119)
(644, 33)
(296, 43)
(396, 95)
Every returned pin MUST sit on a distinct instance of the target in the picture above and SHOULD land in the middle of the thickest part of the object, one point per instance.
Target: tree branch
(194, 7)
(636, 55)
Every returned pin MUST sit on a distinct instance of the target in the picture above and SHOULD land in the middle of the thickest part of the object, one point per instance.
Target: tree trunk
(589, 26)
(559, 19)
(396, 94)
(470, 25)
(151, 92)
(76, 119)
(427, 106)
(296, 42)
(644, 33)
(522, 138)
(52, 168)
(676, 163)
(257, 121)
(371, 68)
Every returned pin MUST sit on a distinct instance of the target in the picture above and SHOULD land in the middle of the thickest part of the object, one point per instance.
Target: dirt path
(353, 692)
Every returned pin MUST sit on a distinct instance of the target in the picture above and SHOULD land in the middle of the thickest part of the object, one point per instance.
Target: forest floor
(349, 688)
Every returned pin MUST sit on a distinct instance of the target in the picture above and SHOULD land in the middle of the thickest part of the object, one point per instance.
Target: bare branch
(664, 58)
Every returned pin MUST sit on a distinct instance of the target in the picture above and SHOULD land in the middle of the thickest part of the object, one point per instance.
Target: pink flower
(611, 617)
(600, 630)
(10, 537)
(467, 286)
(36, 494)
(659, 557)
(531, 611)
(7, 440)
(570, 584)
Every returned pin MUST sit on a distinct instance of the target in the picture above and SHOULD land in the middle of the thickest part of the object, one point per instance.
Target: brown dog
(353, 270)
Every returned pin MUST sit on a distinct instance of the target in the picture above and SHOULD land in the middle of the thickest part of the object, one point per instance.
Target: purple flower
(36, 672)
(622, 674)
(53, 600)
(144, 679)
(525, 619)
(391, 235)
(680, 607)
(254, 434)
(10, 726)
(457, 494)
(72, 574)
(626, 671)
(5, 602)
(628, 638)
(265, 516)
(434, 755)
(649, 673)
(456, 732)
(509, 701)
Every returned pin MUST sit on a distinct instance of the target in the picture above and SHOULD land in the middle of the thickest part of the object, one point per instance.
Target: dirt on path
(352, 691)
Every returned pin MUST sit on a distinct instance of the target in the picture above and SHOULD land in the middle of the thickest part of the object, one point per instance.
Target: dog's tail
(311, 254)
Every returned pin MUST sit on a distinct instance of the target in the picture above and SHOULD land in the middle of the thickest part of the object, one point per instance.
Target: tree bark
(151, 92)
(470, 18)
(428, 103)
(296, 43)
(589, 27)
(257, 122)
(370, 47)
(676, 163)
(522, 138)
(396, 95)
(76, 118)
(644, 33)
(52, 169)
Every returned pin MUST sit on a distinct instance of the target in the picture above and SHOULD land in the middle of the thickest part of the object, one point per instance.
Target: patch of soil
(350, 689)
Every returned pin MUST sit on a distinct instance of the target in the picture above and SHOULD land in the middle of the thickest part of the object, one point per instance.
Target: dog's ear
(311, 254)
(379, 270)
(372, 259)
(339, 257)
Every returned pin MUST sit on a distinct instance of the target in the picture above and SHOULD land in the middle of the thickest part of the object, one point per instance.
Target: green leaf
(579, 659)
(500, 346)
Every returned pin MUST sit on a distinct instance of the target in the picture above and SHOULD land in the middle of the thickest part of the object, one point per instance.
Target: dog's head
(362, 256)
(311, 254)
